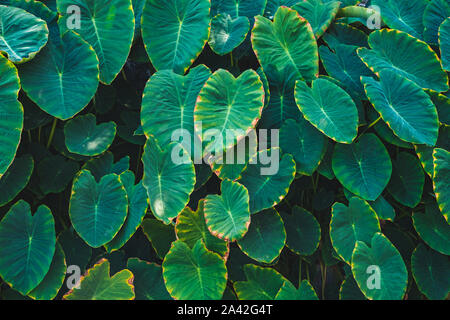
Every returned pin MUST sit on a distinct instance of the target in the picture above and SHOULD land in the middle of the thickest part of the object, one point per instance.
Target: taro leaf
(364, 167)
(349, 290)
(303, 231)
(379, 269)
(433, 16)
(11, 114)
(325, 166)
(169, 181)
(442, 104)
(287, 43)
(265, 82)
(273, 5)
(304, 292)
(130, 129)
(430, 270)
(265, 238)
(175, 32)
(100, 21)
(168, 105)
(441, 160)
(34, 117)
(27, 245)
(433, 228)
(160, 236)
(228, 106)
(97, 210)
(227, 215)
(59, 142)
(305, 143)
(148, 280)
(97, 284)
(15, 178)
(76, 251)
(405, 16)
(55, 172)
(341, 33)
(329, 108)
(357, 222)
(382, 208)
(69, 68)
(318, 13)
(261, 284)
(345, 66)
(404, 106)
(191, 226)
(205, 270)
(54, 279)
(137, 208)
(36, 8)
(412, 58)
(22, 34)
(425, 153)
(267, 178)
(227, 33)
(138, 8)
(407, 180)
(103, 165)
(236, 8)
(444, 43)
(85, 137)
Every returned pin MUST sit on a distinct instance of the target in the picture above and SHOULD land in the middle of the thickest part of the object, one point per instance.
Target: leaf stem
(52, 132)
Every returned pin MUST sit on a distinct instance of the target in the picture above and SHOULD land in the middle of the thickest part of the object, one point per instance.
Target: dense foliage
(118, 181)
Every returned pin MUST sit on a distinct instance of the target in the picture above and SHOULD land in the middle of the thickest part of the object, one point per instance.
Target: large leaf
(273, 5)
(22, 35)
(100, 21)
(227, 215)
(228, 106)
(441, 161)
(444, 43)
(404, 106)
(175, 32)
(364, 167)
(411, 58)
(11, 114)
(329, 108)
(425, 153)
(160, 235)
(380, 260)
(287, 42)
(305, 291)
(97, 210)
(15, 178)
(342, 33)
(97, 284)
(27, 245)
(357, 222)
(205, 270)
(169, 183)
(319, 13)
(236, 8)
(435, 13)
(227, 33)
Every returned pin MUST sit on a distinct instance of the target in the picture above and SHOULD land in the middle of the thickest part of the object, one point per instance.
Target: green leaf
(98, 285)
(236, 8)
(104, 164)
(441, 161)
(303, 231)
(425, 153)
(364, 167)
(227, 105)
(381, 260)
(175, 32)
(11, 114)
(205, 270)
(191, 226)
(169, 183)
(160, 235)
(273, 5)
(404, 106)
(412, 58)
(431, 272)
(55, 172)
(305, 143)
(22, 34)
(382, 208)
(99, 22)
(444, 43)
(329, 108)
(227, 215)
(286, 43)
(268, 185)
(227, 33)
(341, 33)
(97, 210)
(304, 292)
(15, 178)
(407, 180)
(433, 228)
(148, 280)
(36, 8)
(318, 13)
(435, 13)
(85, 137)
(357, 222)
(265, 238)
(76, 251)
(349, 290)
(27, 245)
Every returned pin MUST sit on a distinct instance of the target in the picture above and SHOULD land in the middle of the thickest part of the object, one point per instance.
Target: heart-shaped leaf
(441, 161)
(237, 8)
(160, 235)
(433, 16)
(304, 292)
(319, 13)
(227, 33)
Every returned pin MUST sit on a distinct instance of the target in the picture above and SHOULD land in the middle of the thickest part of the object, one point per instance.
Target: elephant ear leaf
(227, 33)
(205, 270)
(16, 178)
(319, 13)
(27, 245)
(22, 35)
(175, 32)
(304, 292)
(97, 284)
(100, 21)
(441, 160)
(444, 42)
(433, 16)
